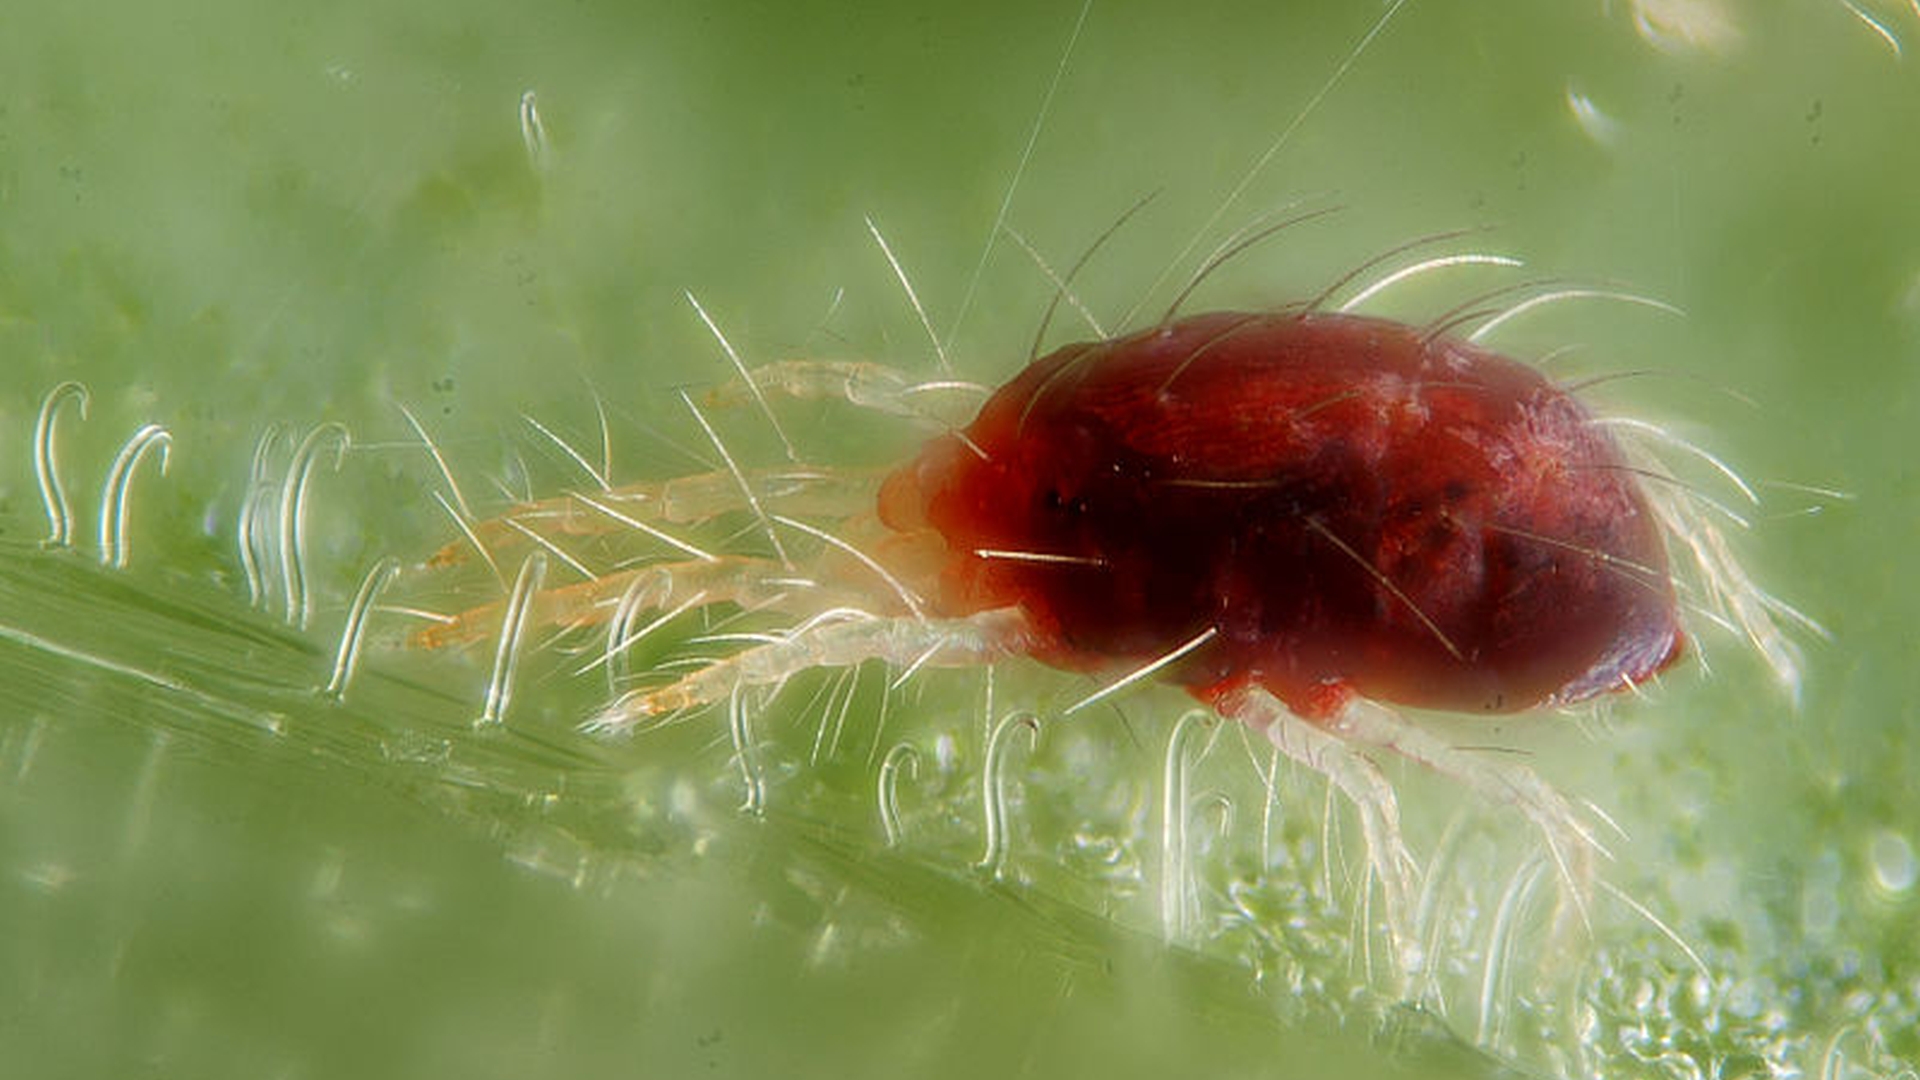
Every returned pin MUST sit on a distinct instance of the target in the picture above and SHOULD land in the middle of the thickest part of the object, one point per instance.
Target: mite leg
(868, 385)
(1570, 843)
(903, 641)
(1360, 780)
(742, 580)
(654, 507)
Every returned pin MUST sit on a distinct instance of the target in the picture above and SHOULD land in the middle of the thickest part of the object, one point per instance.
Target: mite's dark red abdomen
(1346, 504)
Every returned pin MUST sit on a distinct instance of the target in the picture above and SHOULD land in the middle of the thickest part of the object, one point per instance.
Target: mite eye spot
(1055, 503)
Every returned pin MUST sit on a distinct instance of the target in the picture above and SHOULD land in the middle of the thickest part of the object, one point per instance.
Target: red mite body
(1332, 505)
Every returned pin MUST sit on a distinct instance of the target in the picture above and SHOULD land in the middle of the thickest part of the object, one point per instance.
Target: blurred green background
(244, 215)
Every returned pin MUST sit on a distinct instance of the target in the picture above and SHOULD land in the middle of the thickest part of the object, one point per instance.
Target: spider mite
(1305, 518)
(1323, 506)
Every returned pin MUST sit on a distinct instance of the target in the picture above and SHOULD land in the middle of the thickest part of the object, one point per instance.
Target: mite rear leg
(1361, 781)
(905, 641)
(1569, 842)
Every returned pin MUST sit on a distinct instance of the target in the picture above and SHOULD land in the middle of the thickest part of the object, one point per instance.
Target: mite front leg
(653, 508)
(867, 385)
(748, 582)
(904, 641)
